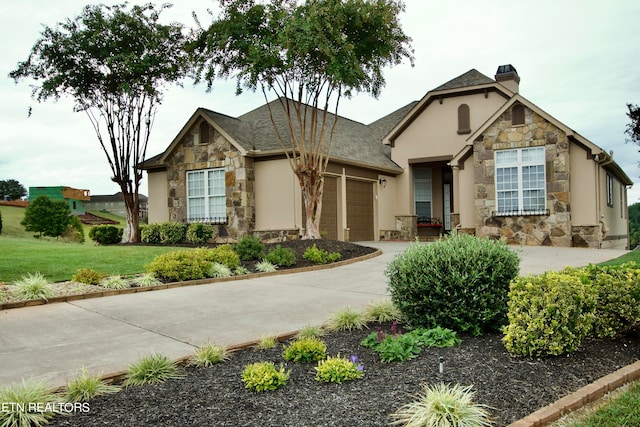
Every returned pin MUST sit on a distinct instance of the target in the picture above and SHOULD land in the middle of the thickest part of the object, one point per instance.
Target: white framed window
(520, 182)
(422, 192)
(206, 196)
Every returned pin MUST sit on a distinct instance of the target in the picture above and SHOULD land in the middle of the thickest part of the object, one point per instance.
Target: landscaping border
(69, 298)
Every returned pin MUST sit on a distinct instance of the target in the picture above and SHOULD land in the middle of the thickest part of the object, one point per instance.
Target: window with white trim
(206, 199)
(520, 182)
(422, 192)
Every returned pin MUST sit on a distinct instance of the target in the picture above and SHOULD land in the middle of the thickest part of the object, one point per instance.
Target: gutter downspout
(600, 163)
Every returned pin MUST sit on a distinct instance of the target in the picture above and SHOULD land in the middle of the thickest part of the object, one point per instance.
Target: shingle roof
(472, 77)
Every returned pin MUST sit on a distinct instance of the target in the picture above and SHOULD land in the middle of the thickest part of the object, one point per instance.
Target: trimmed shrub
(106, 234)
(75, 231)
(305, 350)
(224, 254)
(88, 276)
(548, 314)
(320, 256)
(282, 257)
(249, 248)
(618, 293)
(150, 233)
(172, 233)
(198, 232)
(181, 265)
(461, 283)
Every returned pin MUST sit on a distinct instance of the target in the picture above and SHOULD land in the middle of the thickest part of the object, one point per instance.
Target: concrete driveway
(105, 335)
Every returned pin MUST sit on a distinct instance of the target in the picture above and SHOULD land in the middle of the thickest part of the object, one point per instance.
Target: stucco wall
(584, 210)
(277, 196)
(614, 218)
(552, 230)
(158, 196)
(466, 195)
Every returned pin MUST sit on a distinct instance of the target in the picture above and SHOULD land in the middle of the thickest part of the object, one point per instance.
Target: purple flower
(393, 328)
(354, 359)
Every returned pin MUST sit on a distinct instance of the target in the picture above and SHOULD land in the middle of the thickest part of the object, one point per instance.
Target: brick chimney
(508, 77)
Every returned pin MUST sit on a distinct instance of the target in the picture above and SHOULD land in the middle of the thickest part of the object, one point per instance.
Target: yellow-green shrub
(549, 314)
(191, 264)
(618, 292)
(224, 254)
(305, 350)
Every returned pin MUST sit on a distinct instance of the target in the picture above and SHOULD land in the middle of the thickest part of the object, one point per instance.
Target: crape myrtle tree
(114, 62)
(12, 189)
(310, 54)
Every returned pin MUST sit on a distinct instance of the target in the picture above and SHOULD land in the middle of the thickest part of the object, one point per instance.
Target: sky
(578, 60)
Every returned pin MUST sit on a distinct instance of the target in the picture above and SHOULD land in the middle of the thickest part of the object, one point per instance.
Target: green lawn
(633, 256)
(621, 410)
(21, 253)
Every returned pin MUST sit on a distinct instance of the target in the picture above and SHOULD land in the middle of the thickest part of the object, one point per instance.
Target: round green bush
(460, 283)
(106, 234)
(282, 257)
(150, 233)
(249, 248)
(173, 232)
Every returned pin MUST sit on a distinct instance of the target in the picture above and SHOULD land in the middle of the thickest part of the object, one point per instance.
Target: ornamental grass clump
(146, 279)
(382, 311)
(310, 332)
(461, 283)
(208, 355)
(32, 286)
(265, 267)
(85, 387)
(114, 282)
(443, 406)
(152, 369)
(263, 376)
(30, 403)
(267, 342)
(305, 350)
(219, 270)
(339, 369)
(347, 319)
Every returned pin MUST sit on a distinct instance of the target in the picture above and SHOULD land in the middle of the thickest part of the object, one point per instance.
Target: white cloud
(577, 61)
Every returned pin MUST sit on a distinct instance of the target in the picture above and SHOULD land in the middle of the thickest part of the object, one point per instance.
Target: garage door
(329, 216)
(360, 210)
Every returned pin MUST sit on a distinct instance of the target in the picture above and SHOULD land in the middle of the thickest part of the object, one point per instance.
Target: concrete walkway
(105, 335)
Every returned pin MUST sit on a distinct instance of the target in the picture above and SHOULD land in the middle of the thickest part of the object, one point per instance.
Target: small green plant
(181, 265)
(395, 347)
(208, 355)
(26, 399)
(198, 232)
(224, 254)
(114, 282)
(240, 270)
(152, 369)
(249, 248)
(436, 337)
(339, 369)
(265, 267)
(266, 342)
(320, 256)
(219, 270)
(310, 332)
(146, 279)
(150, 233)
(88, 276)
(32, 286)
(106, 234)
(282, 257)
(382, 311)
(305, 350)
(85, 386)
(263, 376)
(443, 406)
(347, 319)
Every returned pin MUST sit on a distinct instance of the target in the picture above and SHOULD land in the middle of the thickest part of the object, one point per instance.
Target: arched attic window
(517, 115)
(464, 122)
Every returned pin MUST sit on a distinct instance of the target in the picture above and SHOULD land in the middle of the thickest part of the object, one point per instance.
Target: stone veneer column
(552, 230)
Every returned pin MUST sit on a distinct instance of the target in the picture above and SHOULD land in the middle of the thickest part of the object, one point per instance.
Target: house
(74, 197)
(472, 156)
(114, 204)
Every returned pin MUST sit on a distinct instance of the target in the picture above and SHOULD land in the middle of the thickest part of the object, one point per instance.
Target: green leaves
(305, 350)
(263, 376)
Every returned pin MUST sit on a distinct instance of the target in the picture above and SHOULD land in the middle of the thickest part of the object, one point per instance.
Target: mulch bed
(513, 387)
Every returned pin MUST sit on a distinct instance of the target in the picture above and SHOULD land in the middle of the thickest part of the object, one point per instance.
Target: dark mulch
(216, 397)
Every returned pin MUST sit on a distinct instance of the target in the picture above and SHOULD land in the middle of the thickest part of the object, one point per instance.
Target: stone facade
(216, 152)
(552, 230)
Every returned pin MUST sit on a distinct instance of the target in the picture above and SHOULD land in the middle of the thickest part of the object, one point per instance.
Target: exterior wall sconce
(383, 182)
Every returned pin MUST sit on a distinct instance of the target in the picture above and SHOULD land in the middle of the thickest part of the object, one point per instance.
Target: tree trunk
(132, 210)
(311, 184)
